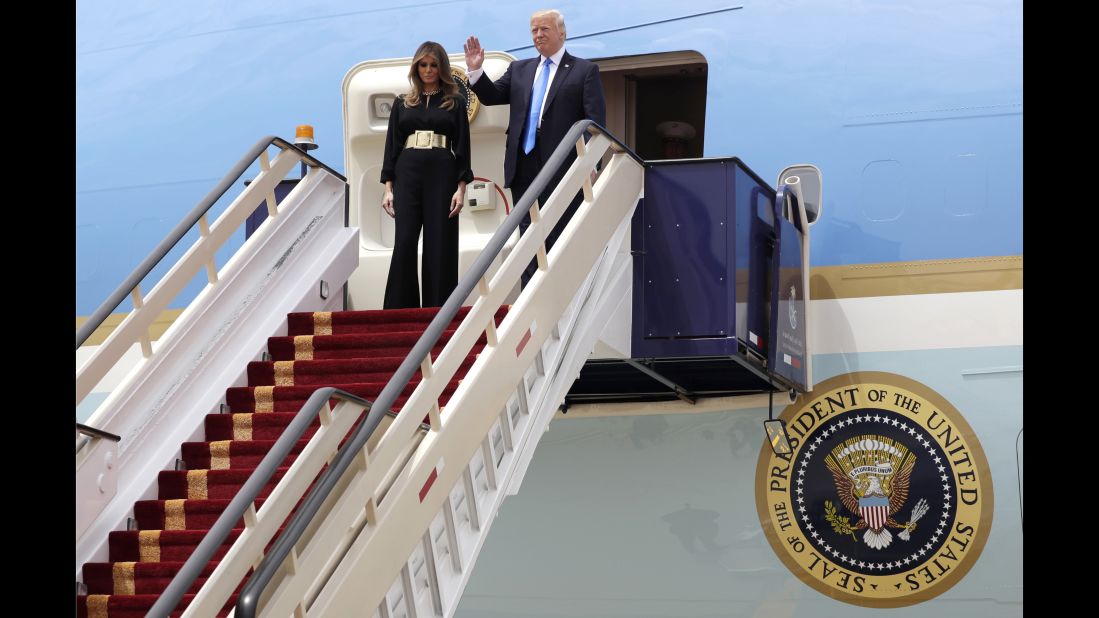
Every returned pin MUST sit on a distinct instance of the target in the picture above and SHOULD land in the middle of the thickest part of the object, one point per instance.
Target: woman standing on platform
(425, 171)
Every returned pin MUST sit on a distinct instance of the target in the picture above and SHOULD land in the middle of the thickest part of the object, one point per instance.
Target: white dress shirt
(556, 58)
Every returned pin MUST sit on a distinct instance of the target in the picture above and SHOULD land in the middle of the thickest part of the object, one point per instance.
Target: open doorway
(656, 103)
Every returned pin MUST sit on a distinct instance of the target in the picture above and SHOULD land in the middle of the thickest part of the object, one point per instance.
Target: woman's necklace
(432, 93)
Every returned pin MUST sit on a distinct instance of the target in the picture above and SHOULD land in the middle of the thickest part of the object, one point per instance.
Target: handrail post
(491, 338)
(265, 166)
(204, 233)
(146, 342)
(535, 218)
(581, 148)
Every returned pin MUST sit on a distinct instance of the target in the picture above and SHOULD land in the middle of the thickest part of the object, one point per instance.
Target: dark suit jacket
(575, 94)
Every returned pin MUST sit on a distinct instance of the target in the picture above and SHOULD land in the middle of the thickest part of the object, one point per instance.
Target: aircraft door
(369, 89)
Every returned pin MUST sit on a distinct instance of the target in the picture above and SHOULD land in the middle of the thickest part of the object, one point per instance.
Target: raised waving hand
(475, 55)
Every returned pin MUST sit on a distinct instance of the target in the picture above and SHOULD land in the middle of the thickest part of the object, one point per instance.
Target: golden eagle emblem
(473, 104)
(872, 475)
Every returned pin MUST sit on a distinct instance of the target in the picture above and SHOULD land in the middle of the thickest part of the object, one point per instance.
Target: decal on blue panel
(787, 354)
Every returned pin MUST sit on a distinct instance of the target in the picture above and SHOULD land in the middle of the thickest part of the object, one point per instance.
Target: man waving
(547, 94)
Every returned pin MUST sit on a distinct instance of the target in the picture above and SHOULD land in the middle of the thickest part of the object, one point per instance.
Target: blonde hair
(556, 14)
(446, 79)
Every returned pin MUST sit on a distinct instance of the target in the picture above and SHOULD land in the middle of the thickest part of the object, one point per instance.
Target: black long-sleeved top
(428, 116)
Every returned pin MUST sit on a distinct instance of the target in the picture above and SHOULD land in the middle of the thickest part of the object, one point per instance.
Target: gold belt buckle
(423, 139)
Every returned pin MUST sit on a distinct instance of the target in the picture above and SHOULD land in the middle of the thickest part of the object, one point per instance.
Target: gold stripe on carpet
(219, 453)
(265, 398)
(97, 605)
(242, 426)
(196, 484)
(322, 323)
(174, 516)
(303, 347)
(148, 545)
(284, 373)
(123, 573)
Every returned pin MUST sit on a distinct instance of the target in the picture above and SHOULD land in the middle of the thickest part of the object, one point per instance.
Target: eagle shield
(872, 475)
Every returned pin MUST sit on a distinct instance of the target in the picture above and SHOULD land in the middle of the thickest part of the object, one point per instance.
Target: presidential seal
(886, 497)
(473, 104)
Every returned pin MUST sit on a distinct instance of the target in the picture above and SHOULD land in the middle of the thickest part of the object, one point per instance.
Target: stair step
(232, 454)
(291, 398)
(133, 605)
(252, 426)
(210, 484)
(181, 514)
(371, 321)
(161, 545)
(353, 346)
(325, 372)
(137, 577)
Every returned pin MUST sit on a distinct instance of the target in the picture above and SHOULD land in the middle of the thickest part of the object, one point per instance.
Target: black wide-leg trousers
(425, 180)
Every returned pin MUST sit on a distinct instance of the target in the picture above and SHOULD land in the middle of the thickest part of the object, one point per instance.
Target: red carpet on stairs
(356, 351)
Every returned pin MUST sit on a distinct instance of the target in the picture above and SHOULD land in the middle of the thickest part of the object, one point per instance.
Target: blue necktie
(536, 107)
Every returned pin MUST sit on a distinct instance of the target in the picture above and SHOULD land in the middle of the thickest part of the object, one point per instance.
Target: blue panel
(686, 251)
(754, 244)
(787, 356)
(703, 240)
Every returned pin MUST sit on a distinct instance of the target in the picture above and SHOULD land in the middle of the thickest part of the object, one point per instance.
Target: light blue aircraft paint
(912, 110)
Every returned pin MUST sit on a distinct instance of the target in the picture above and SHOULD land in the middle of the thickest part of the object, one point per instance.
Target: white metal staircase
(403, 531)
(296, 261)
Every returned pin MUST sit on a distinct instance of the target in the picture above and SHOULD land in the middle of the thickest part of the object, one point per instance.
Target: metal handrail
(247, 602)
(149, 263)
(97, 433)
(275, 457)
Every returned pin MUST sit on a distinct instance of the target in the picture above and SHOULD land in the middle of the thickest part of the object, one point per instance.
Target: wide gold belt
(425, 139)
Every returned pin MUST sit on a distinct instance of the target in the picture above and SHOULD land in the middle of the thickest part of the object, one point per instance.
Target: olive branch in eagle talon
(872, 474)
(841, 525)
